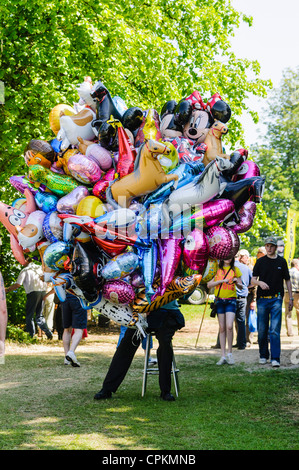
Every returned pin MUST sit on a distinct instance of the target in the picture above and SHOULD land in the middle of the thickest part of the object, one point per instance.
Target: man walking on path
(30, 279)
(269, 272)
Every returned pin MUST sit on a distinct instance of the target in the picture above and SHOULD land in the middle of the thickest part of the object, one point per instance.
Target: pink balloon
(170, 251)
(84, 169)
(246, 170)
(196, 251)
(100, 187)
(224, 243)
(246, 215)
(100, 155)
(213, 212)
(118, 292)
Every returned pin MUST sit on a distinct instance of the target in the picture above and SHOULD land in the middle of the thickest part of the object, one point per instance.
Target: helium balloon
(196, 251)
(122, 315)
(58, 184)
(148, 264)
(241, 191)
(91, 206)
(149, 128)
(170, 251)
(101, 186)
(246, 217)
(146, 177)
(120, 266)
(118, 292)
(84, 169)
(73, 126)
(248, 169)
(202, 189)
(56, 254)
(32, 232)
(126, 151)
(210, 270)
(46, 202)
(54, 116)
(39, 152)
(178, 287)
(53, 227)
(48, 272)
(82, 270)
(223, 242)
(68, 204)
(96, 152)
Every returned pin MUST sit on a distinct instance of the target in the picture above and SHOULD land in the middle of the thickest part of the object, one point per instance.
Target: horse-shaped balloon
(213, 142)
(147, 176)
(202, 189)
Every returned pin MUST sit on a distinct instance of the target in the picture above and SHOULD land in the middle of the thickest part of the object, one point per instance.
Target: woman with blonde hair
(225, 282)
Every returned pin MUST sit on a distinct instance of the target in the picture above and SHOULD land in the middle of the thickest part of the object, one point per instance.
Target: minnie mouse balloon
(223, 242)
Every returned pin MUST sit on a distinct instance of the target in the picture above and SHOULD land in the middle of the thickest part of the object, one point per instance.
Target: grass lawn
(45, 405)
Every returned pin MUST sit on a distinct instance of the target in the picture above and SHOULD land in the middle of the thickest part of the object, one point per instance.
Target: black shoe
(103, 395)
(167, 396)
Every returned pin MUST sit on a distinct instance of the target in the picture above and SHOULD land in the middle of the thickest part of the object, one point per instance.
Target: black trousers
(34, 307)
(124, 354)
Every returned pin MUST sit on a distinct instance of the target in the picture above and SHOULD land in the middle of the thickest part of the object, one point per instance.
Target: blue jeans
(269, 309)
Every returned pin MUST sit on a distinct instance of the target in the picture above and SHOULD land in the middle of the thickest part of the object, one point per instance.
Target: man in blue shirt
(241, 262)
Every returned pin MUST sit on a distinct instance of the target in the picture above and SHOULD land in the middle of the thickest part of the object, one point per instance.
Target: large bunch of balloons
(129, 209)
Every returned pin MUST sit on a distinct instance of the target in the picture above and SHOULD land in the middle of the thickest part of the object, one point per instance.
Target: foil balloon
(248, 169)
(185, 172)
(39, 152)
(91, 206)
(170, 251)
(84, 169)
(148, 264)
(48, 272)
(118, 292)
(54, 116)
(196, 251)
(146, 177)
(83, 271)
(32, 232)
(136, 279)
(96, 152)
(14, 219)
(126, 151)
(58, 184)
(171, 161)
(53, 227)
(149, 128)
(46, 202)
(101, 186)
(213, 142)
(223, 242)
(202, 189)
(68, 204)
(178, 287)
(76, 125)
(210, 271)
(61, 166)
(120, 266)
(20, 183)
(245, 218)
(56, 254)
(209, 214)
(122, 315)
(243, 190)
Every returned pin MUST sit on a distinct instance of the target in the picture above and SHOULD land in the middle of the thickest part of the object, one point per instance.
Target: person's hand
(290, 305)
(252, 305)
(263, 285)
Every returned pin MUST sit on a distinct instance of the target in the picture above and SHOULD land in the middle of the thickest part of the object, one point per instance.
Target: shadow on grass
(46, 405)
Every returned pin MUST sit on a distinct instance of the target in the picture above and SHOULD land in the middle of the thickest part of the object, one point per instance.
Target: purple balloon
(213, 212)
(170, 251)
(84, 169)
(118, 292)
(246, 170)
(69, 203)
(196, 251)
(224, 243)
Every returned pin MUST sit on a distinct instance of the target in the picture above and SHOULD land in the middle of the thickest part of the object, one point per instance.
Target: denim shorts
(226, 305)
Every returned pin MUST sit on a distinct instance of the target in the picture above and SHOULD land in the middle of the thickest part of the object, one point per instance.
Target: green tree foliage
(278, 156)
(147, 52)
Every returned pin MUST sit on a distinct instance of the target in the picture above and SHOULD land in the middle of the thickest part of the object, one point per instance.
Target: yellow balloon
(54, 116)
(91, 206)
(210, 271)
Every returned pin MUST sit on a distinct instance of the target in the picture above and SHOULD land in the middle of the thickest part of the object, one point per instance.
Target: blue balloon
(46, 202)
